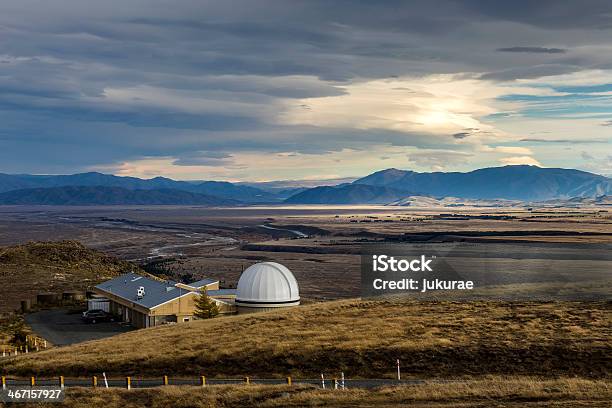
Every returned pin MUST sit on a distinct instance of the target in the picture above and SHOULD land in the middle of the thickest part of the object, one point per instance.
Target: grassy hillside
(52, 266)
(361, 338)
(506, 392)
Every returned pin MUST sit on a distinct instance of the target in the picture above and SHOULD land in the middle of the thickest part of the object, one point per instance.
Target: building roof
(155, 292)
(201, 283)
(267, 283)
(221, 292)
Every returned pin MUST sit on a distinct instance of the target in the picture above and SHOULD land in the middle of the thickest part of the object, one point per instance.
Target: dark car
(96, 316)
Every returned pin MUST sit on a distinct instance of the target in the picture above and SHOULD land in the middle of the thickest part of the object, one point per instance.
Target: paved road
(61, 328)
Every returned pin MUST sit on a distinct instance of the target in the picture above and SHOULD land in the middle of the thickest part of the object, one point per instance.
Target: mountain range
(102, 195)
(391, 186)
(348, 194)
(525, 183)
(221, 189)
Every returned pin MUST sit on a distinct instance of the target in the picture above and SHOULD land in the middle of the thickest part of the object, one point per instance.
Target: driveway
(61, 328)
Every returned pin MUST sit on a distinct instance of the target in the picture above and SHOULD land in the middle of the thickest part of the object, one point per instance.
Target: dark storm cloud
(531, 72)
(551, 14)
(536, 50)
(91, 83)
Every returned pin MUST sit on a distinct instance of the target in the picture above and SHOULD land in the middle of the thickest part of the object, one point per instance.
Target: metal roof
(201, 283)
(156, 292)
(221, 292)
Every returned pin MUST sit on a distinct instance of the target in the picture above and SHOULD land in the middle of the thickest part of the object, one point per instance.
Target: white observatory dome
(267, 285)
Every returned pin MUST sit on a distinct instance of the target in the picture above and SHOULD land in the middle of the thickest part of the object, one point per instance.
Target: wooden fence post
(32, 381)
(128, 383)
(203, 381)
(247, 380)
(289, 380)
(165, 380)
(3, 382)
(61, 381)
(94, 381)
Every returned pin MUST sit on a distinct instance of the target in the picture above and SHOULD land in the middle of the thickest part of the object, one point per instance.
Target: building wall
(183, 306)
(175, 311)
(245, 309)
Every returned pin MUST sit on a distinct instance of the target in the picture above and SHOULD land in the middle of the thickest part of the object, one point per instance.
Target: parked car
(97, 315)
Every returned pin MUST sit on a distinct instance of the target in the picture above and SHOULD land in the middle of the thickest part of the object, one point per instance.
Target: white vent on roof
(140, 293)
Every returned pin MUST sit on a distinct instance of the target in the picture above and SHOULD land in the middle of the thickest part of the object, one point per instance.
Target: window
(185, 319)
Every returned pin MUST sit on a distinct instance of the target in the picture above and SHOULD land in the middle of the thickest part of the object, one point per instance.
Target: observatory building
(145, 301)
(266, 286)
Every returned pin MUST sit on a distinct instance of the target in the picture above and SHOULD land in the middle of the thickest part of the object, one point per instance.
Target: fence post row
(336, 383)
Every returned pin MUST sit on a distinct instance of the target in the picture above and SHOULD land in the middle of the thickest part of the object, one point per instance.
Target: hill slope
(37, 267)
(509, 182)
(347, 194)
(361, 338)
(101, 195)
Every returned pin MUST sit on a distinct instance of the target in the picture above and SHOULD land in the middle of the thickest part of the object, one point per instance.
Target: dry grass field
(361, 338)
(483, 392)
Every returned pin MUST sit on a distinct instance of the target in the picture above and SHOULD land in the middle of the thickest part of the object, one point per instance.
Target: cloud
(531, 72)
(204, 159)
(586, 156)
(208, 88)
(507, 150)
(566, 141)
(438, 160)
(520, 160)
(436, 105)
(535, 50)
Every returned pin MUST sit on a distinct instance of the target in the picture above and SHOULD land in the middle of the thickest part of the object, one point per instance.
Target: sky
(276, 90)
